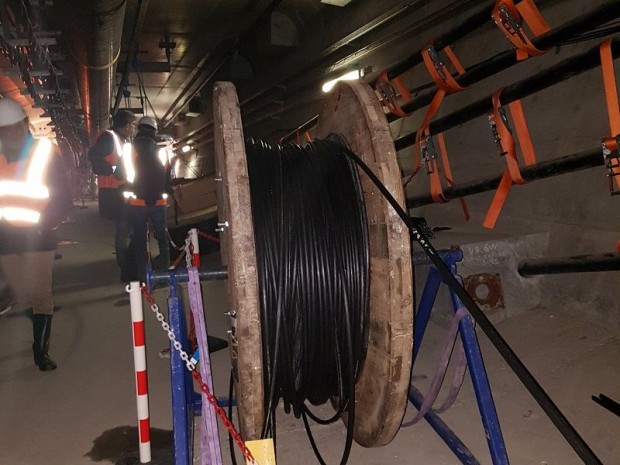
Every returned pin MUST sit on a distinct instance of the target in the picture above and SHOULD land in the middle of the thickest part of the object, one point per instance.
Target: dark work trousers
(138, 217)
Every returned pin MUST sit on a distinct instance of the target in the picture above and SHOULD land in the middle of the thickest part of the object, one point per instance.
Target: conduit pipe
(542, 170)
(95, 30)
(577, 264)
(472, 23)
(507, 59)
(141, 9)
(562, 71)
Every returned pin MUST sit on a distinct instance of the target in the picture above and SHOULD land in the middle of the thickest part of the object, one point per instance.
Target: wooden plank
(239, 255)
(354, 112)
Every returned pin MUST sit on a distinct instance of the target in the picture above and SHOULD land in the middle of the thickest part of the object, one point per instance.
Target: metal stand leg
(186, 403)
(181, 383)
(475, 363)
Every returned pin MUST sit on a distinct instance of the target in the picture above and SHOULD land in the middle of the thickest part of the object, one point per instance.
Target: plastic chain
(191, 366)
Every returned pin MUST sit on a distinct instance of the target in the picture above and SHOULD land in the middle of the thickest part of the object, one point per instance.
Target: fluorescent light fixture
(185, 148)
(350, 76)
(336, 2)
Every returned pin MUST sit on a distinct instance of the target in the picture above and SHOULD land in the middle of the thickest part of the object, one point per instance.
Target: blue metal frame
(186, 403)
(182, 388)
(482, 389)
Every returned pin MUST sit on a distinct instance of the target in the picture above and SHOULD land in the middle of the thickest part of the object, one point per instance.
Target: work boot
(41, 328)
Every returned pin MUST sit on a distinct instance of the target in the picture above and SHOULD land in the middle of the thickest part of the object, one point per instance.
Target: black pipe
(562, 71)
(577, 264)
(545, 169)
(504, 60)
(536, 390)
(478, 19)
(493, 65)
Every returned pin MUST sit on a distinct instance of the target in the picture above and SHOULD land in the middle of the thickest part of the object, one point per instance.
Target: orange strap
(613, 111)
(506, 142)
(108, 182)
(390, 90)
(142, 203)
(432, 167)
(510, 19)
(436, 190)
(439, 71)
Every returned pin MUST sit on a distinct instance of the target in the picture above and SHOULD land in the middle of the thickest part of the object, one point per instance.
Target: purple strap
(431, 396)
(210, 453)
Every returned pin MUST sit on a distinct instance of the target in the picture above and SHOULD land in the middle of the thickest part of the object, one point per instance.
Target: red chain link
(222, 414)
(208, 236)
(178, 260)
(149, 298)
(213, 400)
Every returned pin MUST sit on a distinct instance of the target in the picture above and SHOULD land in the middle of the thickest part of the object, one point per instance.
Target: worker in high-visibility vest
(104, 157)
(147, 175)
(34, 199)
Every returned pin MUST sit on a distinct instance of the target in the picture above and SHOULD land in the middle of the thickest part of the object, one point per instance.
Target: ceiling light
(185, 148)
(336, 2)
(350, 76)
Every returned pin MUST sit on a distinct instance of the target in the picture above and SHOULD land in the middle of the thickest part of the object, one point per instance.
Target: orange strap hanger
(611, 144)
(438, 68)
(511, 17)
(507, 147)
(425, 152)
(389, 92)
(428, 155)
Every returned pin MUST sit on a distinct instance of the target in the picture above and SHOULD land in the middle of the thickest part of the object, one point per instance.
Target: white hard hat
(11, 112)
(148, 121)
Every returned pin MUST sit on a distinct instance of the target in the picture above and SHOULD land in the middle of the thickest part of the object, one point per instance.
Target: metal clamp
(510, 23)
(437, 61)
(611, 158)
(496, 137)
(428, 153)
(386, 90)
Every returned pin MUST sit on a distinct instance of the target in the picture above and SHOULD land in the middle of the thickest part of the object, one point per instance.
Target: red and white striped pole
(193, 236)
(139, 360)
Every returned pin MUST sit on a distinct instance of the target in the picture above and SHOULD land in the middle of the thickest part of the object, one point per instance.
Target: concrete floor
(84, 412)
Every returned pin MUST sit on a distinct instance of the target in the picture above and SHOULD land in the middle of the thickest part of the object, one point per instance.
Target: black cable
(311, 238)
(538, 393)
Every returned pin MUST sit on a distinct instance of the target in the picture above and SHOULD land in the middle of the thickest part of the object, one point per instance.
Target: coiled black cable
(312, 252)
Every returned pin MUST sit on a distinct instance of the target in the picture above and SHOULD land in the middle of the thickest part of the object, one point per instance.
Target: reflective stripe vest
(23, 190)
(129, 158)
(110, 181)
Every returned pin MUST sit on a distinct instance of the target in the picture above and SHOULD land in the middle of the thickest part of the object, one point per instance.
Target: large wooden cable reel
(353, 111)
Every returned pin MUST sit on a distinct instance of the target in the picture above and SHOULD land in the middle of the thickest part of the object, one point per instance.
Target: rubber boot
(41, 329)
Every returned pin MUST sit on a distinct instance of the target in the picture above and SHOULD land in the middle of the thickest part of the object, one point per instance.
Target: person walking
(104, 157)
(147, 177)
(34, 199)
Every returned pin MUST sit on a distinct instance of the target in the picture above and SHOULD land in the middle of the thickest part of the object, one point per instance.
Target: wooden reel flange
(352, 111)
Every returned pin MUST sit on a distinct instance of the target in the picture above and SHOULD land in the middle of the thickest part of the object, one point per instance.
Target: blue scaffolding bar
(475, 363)
(186, 404)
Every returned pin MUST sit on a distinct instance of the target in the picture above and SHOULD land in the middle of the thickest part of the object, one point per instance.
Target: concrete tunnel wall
(566, 215)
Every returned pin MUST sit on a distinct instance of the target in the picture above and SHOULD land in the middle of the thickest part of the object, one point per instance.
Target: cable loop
(311, 237)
